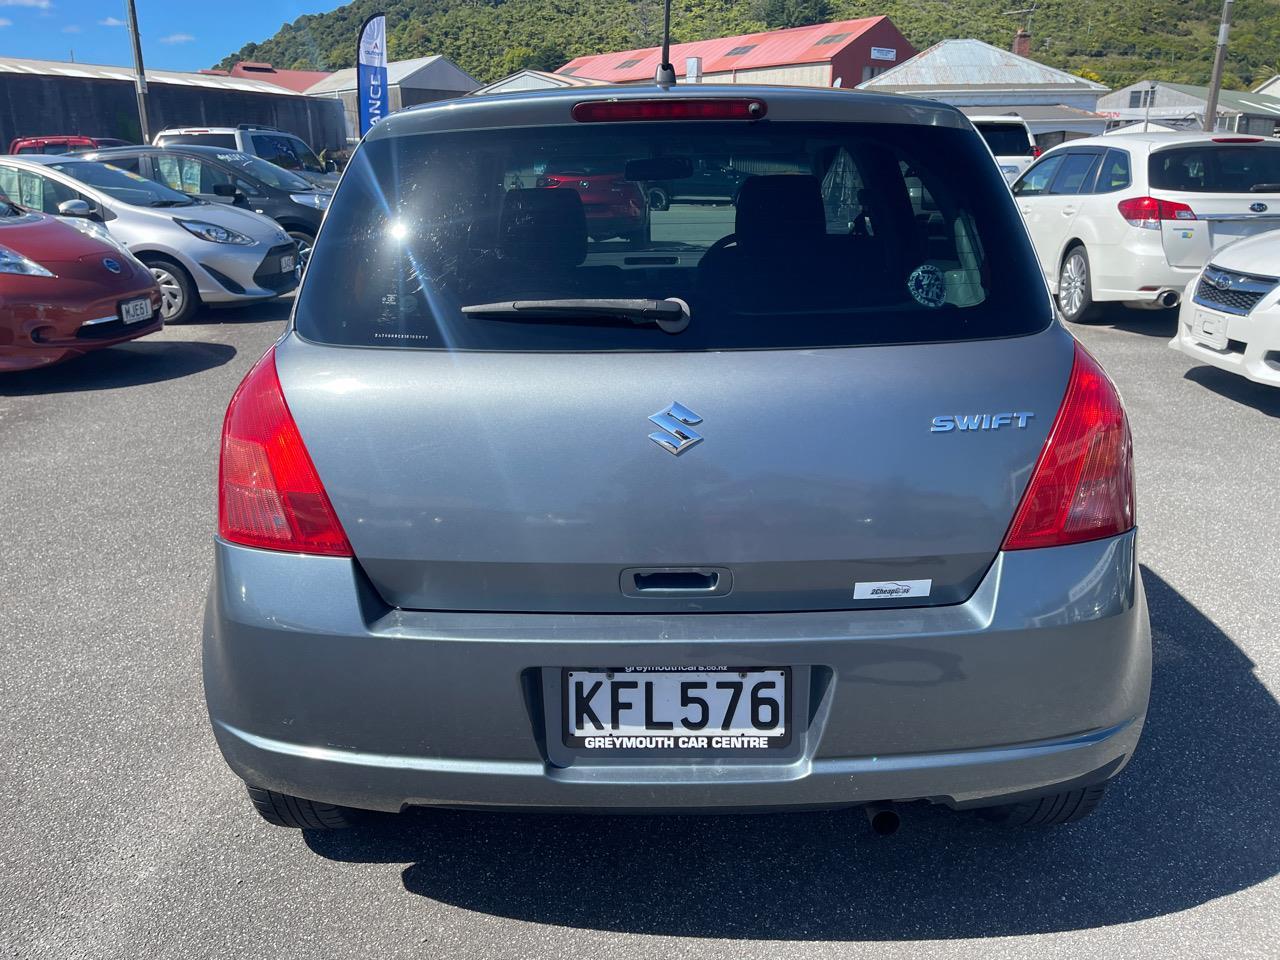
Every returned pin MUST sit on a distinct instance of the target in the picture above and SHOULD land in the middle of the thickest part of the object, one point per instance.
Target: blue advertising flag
(371, 72)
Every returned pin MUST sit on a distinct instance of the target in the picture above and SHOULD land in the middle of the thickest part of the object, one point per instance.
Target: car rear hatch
(849, 419)
(1215, 192)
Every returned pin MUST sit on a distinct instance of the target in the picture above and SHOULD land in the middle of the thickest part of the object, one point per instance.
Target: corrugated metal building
(44, 97)
(1182, 106)
(533, 80)
(840, 54)
(409, 82)
(971, 74)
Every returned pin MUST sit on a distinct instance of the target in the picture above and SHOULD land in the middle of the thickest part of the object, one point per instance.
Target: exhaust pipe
(1169, 298)
(883, 818)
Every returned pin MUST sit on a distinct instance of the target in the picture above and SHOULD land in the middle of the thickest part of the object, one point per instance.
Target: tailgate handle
(676, 581)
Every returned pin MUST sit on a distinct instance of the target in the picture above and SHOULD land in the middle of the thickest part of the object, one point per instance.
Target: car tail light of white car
(1147, 212)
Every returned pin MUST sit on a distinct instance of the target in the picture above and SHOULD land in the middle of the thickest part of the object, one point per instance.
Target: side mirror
(75, 208)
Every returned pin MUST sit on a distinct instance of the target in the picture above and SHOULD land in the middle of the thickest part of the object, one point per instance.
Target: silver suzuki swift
(553, 497)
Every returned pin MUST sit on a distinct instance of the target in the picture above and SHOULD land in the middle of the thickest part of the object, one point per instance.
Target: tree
(791, 13)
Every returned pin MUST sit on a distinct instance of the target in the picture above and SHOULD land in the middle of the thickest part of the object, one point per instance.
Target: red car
(62, 144)
(64, 292)
(614, 207)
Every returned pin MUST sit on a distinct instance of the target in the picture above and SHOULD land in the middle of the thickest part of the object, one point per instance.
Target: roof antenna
(665, 77)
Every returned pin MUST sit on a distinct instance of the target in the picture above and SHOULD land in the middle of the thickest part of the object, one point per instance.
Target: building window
(625, 64)
(568, 71)
(831, 38)
(739, 51)
(869, 72)
(1146, 97)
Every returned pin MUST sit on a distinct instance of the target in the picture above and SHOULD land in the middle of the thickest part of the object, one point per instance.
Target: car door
(1099, 223)
(1035, 202)
(1056, 208)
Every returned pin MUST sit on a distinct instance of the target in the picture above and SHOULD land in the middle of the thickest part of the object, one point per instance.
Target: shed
(409, 82)
(523, 80)
(1183, 105)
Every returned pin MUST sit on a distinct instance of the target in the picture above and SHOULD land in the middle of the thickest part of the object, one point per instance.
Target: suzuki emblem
(675, 437)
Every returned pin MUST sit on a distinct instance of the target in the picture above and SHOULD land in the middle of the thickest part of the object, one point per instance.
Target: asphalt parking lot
(124, 835)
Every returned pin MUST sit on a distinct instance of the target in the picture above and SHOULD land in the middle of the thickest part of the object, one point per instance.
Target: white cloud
(4, 22)
(38, 4)
(71, 28)
(111, 22)
(177, 38)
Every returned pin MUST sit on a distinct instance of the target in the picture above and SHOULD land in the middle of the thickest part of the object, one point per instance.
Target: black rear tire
(1075, 287)
(1051, 811)
(284, 810)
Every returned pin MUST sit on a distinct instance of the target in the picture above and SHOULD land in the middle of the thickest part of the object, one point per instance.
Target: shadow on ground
(1161, 324)
(126, 365)
(1190, 820)
(264, 311)
(1234, 387)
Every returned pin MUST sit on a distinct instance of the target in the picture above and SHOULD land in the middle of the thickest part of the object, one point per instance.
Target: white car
(1230, 318)
(198, 252)
(1010, 141)
(1133, 218)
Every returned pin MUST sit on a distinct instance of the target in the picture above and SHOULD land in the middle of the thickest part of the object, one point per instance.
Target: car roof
(45, 159)
(196, 130)
(197, 149)
(1157, 141)
(552, 107)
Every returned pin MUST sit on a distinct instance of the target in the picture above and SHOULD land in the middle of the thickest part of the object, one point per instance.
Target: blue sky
(175, 35)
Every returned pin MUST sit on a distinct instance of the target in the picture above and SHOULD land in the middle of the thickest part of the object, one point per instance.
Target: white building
(409, 82)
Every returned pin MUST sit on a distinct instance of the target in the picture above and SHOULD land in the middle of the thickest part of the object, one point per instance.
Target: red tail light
(1237, 139)
(1082, 485)
(1036, 151)
(269, 494)
(1147, 212)
(605, 111)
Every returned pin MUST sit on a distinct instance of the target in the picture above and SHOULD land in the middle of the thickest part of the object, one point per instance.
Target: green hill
(1115, 42)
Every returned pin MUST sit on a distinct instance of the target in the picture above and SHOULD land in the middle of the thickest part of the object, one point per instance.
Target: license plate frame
(1210, 329)
(709, 740)
(137, 305)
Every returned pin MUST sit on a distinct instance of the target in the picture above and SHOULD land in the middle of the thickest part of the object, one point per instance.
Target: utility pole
(1219, 61)
(140, 73)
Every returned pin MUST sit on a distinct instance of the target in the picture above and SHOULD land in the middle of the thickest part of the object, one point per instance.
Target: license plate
(288, 262)
(135, 311)
(639, 709)
(1210, 329)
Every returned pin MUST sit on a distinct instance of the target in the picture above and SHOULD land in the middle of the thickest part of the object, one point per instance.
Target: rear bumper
(315, 688)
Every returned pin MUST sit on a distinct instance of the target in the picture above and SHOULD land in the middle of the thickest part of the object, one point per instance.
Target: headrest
(780, 210)
(546, 225)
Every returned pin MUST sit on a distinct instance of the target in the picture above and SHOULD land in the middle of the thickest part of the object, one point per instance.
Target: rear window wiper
(670, 316)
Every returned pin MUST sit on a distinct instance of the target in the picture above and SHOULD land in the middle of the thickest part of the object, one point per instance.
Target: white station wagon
(1133, 217)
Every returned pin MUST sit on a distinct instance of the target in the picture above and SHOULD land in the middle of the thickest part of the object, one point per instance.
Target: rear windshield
(1217, 168)
(837, 235)
(227, 140)
(1006, 139)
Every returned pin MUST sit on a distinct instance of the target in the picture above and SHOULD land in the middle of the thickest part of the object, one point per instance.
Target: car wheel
(659, 199)
(304, 242)
(178, 297)
(1075, 290)
(1050, 811)
(283, 810)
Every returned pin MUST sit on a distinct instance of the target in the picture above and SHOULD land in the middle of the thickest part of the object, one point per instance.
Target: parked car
(228, 176)
(61, 144)
(824, 513)
(1133, 218)
(711, 180)
(198, 252)
(1010, 141)
(1230, 316)
(614, 206)
(275, 146)
(65, 292)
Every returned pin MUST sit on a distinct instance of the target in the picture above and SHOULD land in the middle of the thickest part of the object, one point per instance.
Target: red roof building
(295, 80)
(842, 54)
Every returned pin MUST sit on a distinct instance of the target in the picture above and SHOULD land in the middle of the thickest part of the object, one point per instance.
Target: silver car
(198, 252)
(804, 501)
